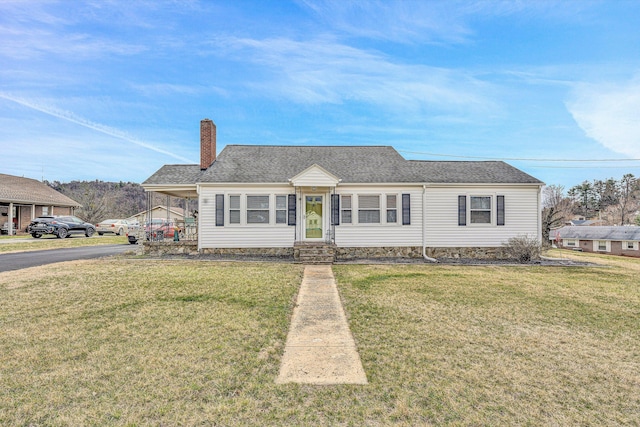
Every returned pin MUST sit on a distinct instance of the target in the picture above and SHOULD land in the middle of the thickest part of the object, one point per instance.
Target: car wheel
(62, 233)
(89, 232)
(100, 233)
(36, 235)
(119, 233)
(133, 242)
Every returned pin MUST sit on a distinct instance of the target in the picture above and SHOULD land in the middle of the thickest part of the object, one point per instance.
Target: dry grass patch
(199, 343)
(498, 345)
(12, 244)
(99, 343)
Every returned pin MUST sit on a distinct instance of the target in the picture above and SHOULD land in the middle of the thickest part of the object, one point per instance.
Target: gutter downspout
(424, 222)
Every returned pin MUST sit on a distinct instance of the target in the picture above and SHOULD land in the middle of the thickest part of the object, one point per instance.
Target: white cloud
(325, 71)
(609, 114)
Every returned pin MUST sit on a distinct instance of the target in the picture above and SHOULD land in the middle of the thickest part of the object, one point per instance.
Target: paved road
(18, 260)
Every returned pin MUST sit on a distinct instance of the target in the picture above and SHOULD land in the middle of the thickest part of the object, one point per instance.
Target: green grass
(135, 342)
(14, 243)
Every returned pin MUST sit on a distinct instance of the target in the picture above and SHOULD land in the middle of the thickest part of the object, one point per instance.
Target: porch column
(33, 212)
(10, 213)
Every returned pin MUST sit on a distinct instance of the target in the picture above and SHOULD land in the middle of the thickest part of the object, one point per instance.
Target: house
(614, 240)
(363, 201)
(22, 199)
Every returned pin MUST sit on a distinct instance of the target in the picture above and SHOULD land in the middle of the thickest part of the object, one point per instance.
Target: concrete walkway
(320, 348)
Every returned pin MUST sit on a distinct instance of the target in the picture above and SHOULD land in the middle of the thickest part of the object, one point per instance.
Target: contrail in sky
(71, 117)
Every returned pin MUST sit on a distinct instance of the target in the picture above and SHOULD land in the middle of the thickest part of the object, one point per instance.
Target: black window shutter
(335, 209)
(500, 210)
(291, 220)
(406, 209)
(462, 210)
(219, 210)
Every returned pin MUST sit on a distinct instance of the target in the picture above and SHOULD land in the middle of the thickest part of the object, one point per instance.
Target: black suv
(60, 226)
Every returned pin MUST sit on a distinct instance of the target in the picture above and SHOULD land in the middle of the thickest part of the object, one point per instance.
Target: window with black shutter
(335, 209)
(500, 210)
(291, 220)
(219, 210)
(406, 209)
(462, 210)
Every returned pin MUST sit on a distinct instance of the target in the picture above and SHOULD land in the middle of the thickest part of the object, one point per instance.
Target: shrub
(523, 249)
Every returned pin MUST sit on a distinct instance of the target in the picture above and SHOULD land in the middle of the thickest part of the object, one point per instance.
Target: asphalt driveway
(19, 260)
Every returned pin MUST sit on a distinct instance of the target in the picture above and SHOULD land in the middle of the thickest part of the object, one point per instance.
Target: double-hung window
(480, 209)
(345, 209)
(368, 209)
(258, 209)
(601, 245)
(281, 209)
(392, 208)
(234, 209)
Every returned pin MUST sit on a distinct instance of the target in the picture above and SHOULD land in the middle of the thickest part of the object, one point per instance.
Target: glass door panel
(313, 217)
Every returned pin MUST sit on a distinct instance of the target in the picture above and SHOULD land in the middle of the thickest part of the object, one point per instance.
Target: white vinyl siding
(441, 201)
(381, 234)
(243, 235)
(521, 216)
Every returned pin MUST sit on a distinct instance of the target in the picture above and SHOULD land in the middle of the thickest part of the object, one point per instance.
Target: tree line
(102, 200)
(610, 201)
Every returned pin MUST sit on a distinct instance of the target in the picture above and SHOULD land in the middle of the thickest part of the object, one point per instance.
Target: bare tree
(557, 208)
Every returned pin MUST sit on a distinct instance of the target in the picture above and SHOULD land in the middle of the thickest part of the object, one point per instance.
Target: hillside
(101, 200)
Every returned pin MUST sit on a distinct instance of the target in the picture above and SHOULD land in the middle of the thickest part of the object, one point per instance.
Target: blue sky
(112, 90)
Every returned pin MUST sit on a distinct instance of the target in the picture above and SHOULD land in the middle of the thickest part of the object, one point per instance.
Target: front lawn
(140, 342)
(24, 243)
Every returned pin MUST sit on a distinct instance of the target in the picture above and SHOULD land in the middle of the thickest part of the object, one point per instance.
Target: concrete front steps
(314, 253)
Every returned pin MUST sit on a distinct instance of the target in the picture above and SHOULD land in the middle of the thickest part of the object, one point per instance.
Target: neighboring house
(158, 212)
(22, 199)
(367, 200)
(615, 240)
(584, 222)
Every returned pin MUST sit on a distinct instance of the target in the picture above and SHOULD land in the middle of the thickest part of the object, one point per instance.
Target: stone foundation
(170, 248)
(341, 254)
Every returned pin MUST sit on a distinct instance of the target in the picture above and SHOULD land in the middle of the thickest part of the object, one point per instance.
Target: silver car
(119, 227)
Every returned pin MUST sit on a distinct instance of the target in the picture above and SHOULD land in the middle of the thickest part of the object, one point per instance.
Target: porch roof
(16, 189)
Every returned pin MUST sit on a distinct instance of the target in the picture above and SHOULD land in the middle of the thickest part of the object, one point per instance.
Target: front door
(313, 217)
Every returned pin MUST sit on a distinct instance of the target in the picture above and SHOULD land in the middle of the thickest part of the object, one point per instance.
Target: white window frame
(572, 243)
(267, 210)
(346, 209)
(491, 211)
(634, 245)
(359, 209)
(596, 246)
(230, 209)
(45, 210)
(398, 198)
(276, 210)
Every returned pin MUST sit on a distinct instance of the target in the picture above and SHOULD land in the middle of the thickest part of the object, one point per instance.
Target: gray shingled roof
(368, 164)
(616, 233)
(464, 172)
(249, 163)
(15, 189)
(175, 175)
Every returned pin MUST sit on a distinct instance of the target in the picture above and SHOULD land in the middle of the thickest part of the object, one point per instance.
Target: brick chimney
(207, 143)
